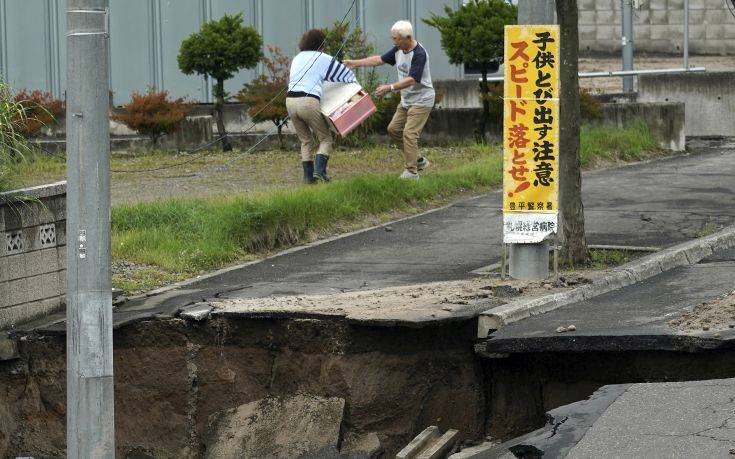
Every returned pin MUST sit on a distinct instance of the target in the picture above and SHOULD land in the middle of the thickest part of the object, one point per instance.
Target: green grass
(196, 235)
(610, 258)
(199, 234)
(707, 229)
(180, 237)
(608, 144)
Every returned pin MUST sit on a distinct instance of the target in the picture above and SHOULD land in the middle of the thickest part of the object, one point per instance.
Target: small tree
(356, 46)
(153, 114)
(473, 35)
(39, 108)
(219, 50)
(269, 88)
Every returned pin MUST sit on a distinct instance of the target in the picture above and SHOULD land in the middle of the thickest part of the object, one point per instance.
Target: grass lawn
(164, 231)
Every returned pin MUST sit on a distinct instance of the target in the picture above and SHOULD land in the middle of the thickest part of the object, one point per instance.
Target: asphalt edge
(297, 248)
(684, 254)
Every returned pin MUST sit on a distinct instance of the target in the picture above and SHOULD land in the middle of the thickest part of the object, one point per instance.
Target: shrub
(39, 108)
(259, 92)
(153, 114)
(219, 50)
(590, 109)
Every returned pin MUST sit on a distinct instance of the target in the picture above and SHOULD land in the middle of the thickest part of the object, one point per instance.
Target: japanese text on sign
(531, 128)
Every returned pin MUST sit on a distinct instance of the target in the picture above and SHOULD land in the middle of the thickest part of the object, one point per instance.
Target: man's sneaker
(408, 175)
(422, 163)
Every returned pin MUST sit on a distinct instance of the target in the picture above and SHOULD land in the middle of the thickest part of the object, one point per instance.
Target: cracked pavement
(693, 419)
(673, 420)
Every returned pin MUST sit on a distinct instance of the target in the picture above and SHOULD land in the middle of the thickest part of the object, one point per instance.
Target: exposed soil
(171, 375)
(717, 315)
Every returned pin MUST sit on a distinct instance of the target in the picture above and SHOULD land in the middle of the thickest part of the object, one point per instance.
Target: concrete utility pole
(531, 261)
(536, 12)
(686, 34)
(627, 7)
(90, 403)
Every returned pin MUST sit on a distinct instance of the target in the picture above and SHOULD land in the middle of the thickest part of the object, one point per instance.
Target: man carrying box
(417, 93)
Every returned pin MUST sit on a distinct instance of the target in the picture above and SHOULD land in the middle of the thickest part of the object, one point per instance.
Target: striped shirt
(310, 68)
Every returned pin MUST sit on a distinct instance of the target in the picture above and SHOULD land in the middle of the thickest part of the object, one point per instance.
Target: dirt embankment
(171, 375)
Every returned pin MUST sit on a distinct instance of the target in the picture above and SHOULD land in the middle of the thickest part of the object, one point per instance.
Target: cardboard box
(346, 106)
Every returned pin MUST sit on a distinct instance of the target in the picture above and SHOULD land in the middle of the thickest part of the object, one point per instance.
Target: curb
(687, 253)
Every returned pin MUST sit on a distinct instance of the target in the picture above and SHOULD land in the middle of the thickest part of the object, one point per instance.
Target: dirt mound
(716, 315)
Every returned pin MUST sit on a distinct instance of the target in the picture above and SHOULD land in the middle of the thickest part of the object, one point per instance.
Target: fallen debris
(430, 445)
(716, 315)
(300, 426)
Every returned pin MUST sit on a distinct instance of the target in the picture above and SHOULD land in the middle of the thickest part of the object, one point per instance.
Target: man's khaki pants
(307, 118)
(405, 128)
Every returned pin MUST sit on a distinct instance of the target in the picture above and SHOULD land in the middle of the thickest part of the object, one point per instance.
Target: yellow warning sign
(531, 131)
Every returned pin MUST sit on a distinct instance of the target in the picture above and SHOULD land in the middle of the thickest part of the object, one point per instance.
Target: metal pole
(686, 34)
(531, 261)
(90, 404)
(625, 73)
(627, 44)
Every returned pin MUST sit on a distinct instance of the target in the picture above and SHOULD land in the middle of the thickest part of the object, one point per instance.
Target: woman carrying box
(309, 69)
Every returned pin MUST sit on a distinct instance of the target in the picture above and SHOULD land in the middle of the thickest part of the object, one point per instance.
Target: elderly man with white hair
(417, 93)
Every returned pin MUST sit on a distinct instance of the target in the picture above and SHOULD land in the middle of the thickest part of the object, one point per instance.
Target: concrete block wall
(658, 26)
(32, 253)
(665, 120)
(709, 99)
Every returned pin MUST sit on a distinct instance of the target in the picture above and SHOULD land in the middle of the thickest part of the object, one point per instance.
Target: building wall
(145, 36)
(32, 253)
(658, 26)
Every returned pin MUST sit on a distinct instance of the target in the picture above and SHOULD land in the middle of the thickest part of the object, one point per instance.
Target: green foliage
(473, 34)
(153, 113)
(609, 143)
(220, 49)
(191, 235)
(265, 96)
(13, 145)
(195, 234)
(356, 46)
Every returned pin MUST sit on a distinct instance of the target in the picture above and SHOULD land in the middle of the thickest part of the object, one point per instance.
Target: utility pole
(533, 12)
(531, 261)
(90, 399)
(627, 43)
(686, 34)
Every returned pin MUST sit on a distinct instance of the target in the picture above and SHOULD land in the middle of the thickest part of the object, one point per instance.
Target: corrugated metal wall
(145, 36)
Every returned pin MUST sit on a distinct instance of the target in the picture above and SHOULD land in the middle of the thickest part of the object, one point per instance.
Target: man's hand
(350, 63)
(382, 90)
